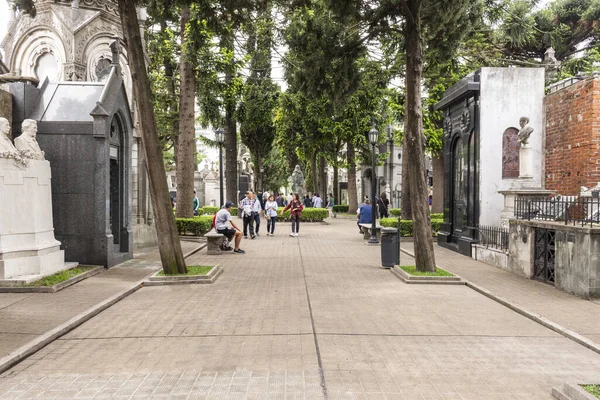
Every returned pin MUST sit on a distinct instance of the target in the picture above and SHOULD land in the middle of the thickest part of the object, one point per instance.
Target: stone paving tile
(567, 310)
(433, 367)
(249, 335)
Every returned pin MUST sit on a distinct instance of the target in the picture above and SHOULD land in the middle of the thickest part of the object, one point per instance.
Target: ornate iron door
(544, 255)
(459, 208)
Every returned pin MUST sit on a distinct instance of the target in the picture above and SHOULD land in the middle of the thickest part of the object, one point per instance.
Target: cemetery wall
(573, 137)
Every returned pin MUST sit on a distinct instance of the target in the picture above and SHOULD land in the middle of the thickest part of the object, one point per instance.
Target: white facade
(506, 95)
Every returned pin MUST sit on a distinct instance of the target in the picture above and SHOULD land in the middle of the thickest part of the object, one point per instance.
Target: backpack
(214, 222)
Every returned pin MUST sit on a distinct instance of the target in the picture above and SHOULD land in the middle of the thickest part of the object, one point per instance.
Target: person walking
(271, 215)
(383, 204)
(247, 205)
(307, 201)
(330, 204)
(196, 203)
(317, 201)
(280, 200)
(295, 206)
(256, 214)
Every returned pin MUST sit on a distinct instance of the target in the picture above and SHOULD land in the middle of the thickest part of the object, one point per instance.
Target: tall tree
(260, 93)
(186, 143)
(168, 239)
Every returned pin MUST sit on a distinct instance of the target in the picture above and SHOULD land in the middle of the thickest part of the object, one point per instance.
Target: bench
(214, 240)
(366, 228)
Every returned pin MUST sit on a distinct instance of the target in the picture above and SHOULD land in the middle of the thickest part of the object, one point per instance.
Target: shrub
(406, 225)
(233, 211)
(436, 216)
(210, 210)
(341, 208)
(395, 212)
(308, 214)
(196, 226)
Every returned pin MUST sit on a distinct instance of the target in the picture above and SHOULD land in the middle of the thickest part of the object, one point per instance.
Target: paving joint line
(312, 321)
(17, 302)
(545, 322)
(184, 336)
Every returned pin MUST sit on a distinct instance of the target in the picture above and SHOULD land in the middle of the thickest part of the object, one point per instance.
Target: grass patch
(412, 269)
(594, 390)
(59, 277)
(192, 271)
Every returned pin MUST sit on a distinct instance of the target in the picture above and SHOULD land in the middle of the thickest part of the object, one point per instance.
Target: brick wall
(573, 137)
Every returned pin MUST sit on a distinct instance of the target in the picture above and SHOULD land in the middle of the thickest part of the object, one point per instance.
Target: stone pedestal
(526, 162)
(27, 243)
(510, 195)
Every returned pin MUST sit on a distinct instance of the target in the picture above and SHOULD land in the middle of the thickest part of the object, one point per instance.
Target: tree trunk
(186, 145)
(438, 183)
(313, 172)
(323, 178)
(259, 186)
(352, 192)
(336, 185)
(415, 141)
(168, 240)
(405, 202)
(231, 173)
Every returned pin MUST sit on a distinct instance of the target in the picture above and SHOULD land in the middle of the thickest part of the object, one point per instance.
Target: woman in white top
(271, 215)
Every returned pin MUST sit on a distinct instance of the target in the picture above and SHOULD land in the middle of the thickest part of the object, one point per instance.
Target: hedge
(406, 225)
(196, 226)
(308, 214)
(341, 208)
(208, 210)
(395, 212)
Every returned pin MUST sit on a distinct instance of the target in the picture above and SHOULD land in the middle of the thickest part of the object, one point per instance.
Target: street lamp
(220, 138)
(373, 138)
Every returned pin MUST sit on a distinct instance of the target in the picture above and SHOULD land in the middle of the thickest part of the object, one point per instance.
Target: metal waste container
(390, 247)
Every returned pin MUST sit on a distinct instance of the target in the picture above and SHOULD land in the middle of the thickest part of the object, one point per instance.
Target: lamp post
(220, 138)
(373, 138)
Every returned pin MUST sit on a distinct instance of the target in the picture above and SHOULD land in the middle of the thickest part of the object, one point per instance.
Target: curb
(572, 391)
(427, 280)
(53, 289)
(194, 251)
(211, 277)
(569, 334)
(33, 346)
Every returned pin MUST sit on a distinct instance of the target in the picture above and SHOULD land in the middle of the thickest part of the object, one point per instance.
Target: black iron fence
(568, 209)
(493, 236)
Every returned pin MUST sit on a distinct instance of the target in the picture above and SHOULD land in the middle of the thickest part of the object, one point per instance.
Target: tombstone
(28, 248)
(482, 157)
(85, 129)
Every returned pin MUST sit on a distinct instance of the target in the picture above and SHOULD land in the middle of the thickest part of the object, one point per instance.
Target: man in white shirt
(317, 201)
(256, 211)
(225, 226)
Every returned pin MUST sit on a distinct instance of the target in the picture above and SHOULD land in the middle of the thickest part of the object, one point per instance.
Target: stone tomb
(85, 128)
(28, 249)
(481, 148)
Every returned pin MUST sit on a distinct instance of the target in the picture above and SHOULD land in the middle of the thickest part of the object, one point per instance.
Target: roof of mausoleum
(466, 85)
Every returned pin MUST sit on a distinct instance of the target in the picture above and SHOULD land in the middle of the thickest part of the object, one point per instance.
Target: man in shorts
(225, 226)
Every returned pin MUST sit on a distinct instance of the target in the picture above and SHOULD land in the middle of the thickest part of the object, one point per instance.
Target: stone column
(11, 11)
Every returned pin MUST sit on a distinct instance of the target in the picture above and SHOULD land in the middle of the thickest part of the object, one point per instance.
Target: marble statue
(6, 146)
(26, 143)
(297, 181)
(525, 131)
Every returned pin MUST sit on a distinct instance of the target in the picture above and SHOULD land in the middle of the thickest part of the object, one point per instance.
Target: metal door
(544, 255)
(459, 208)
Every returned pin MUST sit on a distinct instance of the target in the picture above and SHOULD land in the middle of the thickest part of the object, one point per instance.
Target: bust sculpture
(26, 143)
(6, 146)
(525, 131)
(297, 180)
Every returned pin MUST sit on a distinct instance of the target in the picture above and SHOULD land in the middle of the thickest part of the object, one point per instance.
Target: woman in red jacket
(295, 207)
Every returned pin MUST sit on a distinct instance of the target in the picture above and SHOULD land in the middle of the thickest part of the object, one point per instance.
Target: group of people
(364, 213)
(253, 209)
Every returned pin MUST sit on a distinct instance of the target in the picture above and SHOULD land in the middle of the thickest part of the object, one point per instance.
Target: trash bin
(390, 247)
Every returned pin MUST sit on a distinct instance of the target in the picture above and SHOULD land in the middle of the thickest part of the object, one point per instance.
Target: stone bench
(214, 240)
(366, 228)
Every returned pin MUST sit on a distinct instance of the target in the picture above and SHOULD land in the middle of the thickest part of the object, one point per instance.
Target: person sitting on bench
(225, 226)
(364, 214)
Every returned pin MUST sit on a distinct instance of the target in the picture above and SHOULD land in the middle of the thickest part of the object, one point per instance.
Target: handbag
(267, 216)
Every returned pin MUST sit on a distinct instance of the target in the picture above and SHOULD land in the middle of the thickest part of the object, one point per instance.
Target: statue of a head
(29, 127)
(297, 168)
(4, 127)
(523, 121)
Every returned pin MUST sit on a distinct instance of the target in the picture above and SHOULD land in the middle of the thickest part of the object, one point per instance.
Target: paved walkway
(25, 316)
(579, 315)
(304, 318)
